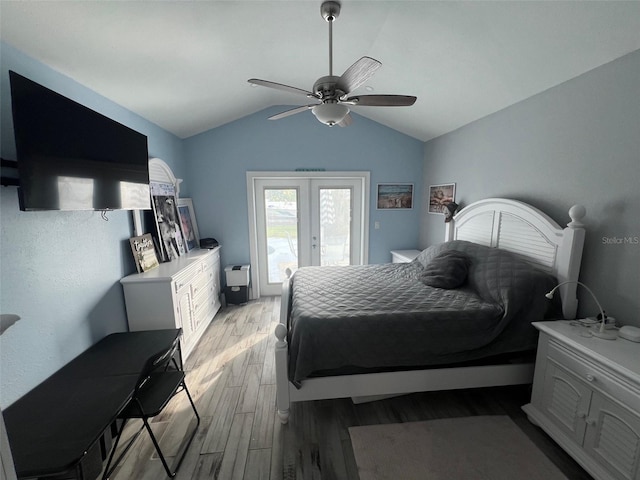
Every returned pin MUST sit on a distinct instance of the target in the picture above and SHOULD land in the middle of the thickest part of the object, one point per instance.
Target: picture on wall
(440, 196)
(395, 196)
(165, 209)
(188, 223)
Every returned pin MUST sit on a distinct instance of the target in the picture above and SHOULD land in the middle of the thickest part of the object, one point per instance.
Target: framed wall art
(394, 196)
(440, 196)
(188, 223)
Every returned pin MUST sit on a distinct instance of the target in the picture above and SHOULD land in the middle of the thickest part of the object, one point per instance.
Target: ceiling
(184, 65)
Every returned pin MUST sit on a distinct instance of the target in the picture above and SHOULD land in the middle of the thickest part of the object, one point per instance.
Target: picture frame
(394, 196)
(164, 202)
(144, 252)
(188, 223)
(441, 195)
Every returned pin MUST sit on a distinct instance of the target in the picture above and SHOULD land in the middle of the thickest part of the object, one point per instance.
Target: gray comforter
(384, 317)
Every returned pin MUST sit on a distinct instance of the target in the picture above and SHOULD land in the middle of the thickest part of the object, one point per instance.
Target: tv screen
(73, 158)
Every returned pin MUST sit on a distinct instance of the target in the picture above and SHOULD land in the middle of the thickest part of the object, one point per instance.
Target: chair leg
(108, 471)
(172, 472)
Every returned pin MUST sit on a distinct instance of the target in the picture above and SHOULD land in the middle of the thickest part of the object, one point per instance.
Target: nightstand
(586, 396)
(403, 256)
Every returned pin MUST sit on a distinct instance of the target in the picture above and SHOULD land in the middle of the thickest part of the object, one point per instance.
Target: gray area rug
(468, 448)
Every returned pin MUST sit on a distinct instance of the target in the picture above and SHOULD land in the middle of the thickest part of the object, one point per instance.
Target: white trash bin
(238, 279)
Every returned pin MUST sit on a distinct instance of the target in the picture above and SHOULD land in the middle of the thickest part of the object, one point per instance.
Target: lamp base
(605, 335)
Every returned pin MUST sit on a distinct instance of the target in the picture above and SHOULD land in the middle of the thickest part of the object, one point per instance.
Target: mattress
(384, 317)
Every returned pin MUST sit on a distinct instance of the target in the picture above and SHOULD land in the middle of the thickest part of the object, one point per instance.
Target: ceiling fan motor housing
(325, 88)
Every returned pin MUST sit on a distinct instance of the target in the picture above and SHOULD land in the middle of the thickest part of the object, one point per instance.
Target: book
(144, 253)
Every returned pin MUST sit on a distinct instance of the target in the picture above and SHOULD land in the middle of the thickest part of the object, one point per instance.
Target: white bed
(500, 223)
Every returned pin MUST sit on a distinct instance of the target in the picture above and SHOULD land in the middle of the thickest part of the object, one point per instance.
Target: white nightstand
(586, 396)
(403, 256)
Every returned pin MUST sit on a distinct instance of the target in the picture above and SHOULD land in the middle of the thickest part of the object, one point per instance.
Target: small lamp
(601, 332)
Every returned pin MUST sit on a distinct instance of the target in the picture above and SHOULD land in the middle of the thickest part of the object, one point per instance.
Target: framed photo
(440, 196)
(167, 220)
(188, 223)
(394, 196)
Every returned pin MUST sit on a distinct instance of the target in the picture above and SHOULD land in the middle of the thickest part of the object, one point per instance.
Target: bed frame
(501, 223)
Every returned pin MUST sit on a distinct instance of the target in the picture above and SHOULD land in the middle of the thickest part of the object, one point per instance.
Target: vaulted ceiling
(184, 65)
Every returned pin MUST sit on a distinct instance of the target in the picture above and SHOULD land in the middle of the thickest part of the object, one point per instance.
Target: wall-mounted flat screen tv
(73, 158)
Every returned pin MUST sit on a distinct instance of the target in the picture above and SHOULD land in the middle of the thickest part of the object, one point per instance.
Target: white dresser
(184, 293)
(586, 396)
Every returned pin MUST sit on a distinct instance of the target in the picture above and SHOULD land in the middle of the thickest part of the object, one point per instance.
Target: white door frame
(252, 177)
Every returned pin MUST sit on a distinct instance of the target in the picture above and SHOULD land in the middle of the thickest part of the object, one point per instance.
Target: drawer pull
(582, 415)
(591, 422)
(590, 377)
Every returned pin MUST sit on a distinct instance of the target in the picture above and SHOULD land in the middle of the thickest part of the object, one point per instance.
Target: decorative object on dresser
(184, 293)
(144, 252)
(586, 396)
(312, 354)
(163, 196)
(188, 223)
(601, 331)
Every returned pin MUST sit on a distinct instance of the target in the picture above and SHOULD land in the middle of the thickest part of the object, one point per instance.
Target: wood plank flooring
(231, 378)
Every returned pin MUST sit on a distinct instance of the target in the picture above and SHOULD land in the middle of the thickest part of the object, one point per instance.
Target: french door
(302, 220)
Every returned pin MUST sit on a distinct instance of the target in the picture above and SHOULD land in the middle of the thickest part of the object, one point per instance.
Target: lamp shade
(330, 113)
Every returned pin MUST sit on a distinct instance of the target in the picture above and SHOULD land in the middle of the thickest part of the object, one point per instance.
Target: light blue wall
(578, 142)
(60, 271)
(217, 162)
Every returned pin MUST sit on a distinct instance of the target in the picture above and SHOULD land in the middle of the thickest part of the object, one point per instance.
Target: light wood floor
(231, 377)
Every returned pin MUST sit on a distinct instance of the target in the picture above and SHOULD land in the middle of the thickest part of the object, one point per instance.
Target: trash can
(238, 279)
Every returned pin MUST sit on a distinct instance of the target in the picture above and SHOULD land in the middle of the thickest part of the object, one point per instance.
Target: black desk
(57, 429)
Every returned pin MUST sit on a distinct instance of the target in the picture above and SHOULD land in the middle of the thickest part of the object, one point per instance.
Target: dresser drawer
(199, 284)
(592, 374)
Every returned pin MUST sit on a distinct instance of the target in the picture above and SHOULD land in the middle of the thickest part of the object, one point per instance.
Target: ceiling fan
(332, 92)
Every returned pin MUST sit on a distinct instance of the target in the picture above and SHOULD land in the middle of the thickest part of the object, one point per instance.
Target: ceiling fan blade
(280, 86)
(346, 121)
(381, 100)
(293, 111)
(357, 74)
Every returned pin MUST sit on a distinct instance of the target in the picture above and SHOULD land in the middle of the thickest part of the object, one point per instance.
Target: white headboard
(526, 231)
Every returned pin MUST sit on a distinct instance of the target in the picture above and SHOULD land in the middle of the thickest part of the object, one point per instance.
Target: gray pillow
(447, 270)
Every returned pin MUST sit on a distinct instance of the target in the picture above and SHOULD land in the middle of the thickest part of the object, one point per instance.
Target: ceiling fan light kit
(330, 113)
(333, 92)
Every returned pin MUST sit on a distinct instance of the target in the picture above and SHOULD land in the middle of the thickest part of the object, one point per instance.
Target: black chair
(160, 380)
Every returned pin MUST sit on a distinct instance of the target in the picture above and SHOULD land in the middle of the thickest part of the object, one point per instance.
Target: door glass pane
(335, 226)
(281, 214)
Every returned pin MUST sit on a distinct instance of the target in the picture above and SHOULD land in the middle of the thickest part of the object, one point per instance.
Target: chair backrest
(158, 361)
